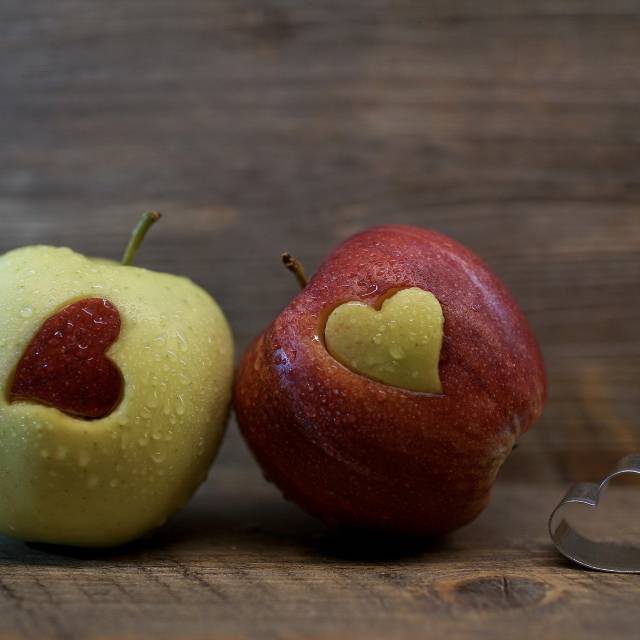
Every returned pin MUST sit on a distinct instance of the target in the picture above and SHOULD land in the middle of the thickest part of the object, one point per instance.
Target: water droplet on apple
(281, 360)
(26, 312)
(182, 342)
(396, 352)
(180, 407)
(377, 339)
(158, 457)
(366, 288)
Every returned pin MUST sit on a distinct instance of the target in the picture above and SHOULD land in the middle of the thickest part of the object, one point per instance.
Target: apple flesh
(105, 481)
(399, 344)
(362, 449)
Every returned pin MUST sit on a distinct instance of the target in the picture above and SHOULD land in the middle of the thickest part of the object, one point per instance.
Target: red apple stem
(295, 266)
(139, 232)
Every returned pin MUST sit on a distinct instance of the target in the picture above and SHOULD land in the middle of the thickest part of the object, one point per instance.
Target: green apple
(67, 479)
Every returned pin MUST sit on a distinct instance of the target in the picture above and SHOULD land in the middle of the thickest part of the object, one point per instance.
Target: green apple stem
(138, 235)
(295, 266)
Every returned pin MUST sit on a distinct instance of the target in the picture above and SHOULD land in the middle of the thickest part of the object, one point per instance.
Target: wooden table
(258, 127)
(240, 562)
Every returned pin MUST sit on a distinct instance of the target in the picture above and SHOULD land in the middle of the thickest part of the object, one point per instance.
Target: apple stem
(139, 232)
(295, 266)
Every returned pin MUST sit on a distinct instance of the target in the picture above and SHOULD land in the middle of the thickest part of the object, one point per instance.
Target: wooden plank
(513, 128)
(240, 562)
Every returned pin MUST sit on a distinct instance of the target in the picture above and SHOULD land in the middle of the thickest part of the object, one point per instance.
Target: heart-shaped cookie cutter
(601, 556)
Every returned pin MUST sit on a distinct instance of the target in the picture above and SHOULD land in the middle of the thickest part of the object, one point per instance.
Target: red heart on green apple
(65, 366)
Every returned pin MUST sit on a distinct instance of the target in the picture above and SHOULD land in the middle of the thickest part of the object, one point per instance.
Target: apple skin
(104, 482)
(362, 454)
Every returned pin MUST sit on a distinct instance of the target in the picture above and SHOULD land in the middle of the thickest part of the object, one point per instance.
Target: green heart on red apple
(399, 344)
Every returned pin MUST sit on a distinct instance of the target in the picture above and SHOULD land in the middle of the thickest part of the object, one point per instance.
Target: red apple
(346, 442)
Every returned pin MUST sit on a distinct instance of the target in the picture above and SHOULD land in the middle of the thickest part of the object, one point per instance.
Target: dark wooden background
(258, 127)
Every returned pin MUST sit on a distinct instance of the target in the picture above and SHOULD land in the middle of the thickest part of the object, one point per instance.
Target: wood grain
(259, 127)
(239, 562)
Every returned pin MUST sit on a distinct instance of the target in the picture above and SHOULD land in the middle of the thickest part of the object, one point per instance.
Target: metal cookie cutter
(601, 556)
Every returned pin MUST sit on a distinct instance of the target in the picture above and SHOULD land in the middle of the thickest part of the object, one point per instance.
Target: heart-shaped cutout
(65, 366)
(593, 554)
(399, 344)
